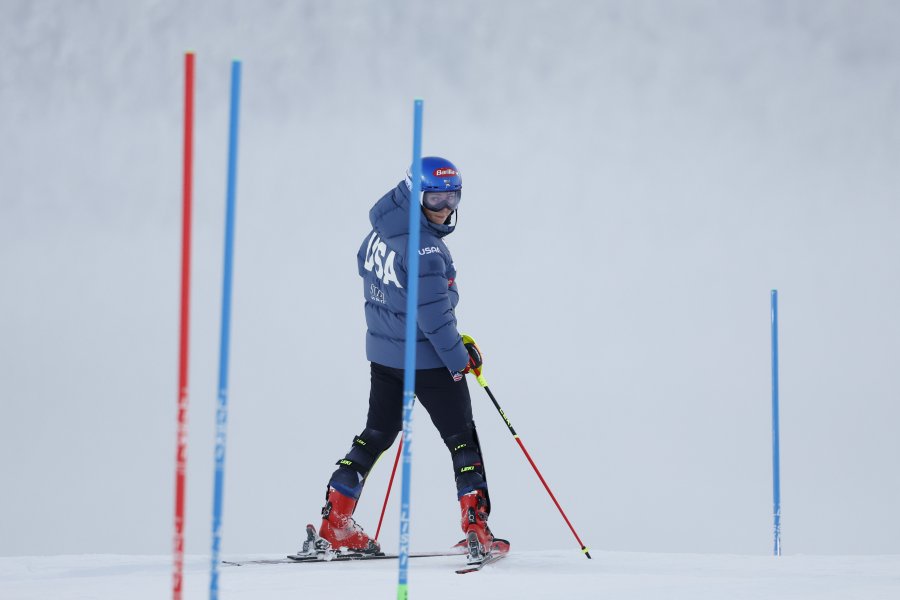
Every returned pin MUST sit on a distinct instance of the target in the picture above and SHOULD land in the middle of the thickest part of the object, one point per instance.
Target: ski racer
(443, 357)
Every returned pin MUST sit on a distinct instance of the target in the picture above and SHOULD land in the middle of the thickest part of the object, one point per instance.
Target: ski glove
(475, 360)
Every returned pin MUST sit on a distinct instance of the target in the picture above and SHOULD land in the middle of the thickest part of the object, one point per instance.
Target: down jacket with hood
(383, 266)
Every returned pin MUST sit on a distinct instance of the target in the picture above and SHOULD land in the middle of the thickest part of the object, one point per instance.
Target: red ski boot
(340, 530)
(479, 539)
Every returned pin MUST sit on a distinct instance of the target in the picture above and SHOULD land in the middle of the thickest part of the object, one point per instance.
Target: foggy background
(638, 175)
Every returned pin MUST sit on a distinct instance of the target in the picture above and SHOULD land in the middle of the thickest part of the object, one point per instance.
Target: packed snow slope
(638, 177)
(535, 575)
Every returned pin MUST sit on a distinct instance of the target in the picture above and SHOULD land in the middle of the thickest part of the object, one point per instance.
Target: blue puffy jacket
(383, 267)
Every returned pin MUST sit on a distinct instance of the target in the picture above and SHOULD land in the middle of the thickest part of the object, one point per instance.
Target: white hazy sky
(638, 177)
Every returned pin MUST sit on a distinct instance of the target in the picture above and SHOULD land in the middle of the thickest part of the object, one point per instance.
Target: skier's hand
(475, 360)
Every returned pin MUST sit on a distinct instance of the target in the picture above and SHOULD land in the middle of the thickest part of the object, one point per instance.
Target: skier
(443, 358)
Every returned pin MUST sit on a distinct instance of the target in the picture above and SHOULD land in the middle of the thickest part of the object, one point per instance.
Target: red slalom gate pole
(181, 450)
(390, 484)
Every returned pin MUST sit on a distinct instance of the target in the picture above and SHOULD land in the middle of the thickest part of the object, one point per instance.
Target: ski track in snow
(547, 574)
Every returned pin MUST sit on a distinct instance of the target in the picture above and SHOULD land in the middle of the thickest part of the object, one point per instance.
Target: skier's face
(437, 216)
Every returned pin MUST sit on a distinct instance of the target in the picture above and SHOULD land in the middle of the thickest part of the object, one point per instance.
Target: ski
(317, 550)
(499, 549)
(491, 558)
(293, 558)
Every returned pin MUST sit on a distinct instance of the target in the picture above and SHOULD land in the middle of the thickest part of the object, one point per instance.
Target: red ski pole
(390, 484)
(483, 382)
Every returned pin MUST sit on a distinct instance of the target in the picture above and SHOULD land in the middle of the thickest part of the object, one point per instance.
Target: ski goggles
(437, 201)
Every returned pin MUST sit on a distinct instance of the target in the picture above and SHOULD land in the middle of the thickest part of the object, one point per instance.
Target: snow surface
(521, 575)
(638, 176)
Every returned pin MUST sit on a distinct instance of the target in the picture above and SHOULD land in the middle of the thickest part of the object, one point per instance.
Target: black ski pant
(448, 404)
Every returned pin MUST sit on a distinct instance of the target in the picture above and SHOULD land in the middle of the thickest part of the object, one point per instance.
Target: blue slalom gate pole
(222, 409)
(409, 364)
(776, 459)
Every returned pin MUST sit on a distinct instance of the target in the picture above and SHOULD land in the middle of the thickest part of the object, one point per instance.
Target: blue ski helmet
(441, 183)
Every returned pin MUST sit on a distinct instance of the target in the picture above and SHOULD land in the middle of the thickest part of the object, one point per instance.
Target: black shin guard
(350, 476)
(468, 465)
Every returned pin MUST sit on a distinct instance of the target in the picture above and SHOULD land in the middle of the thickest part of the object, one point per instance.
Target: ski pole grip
(467, 339)
(481, 380)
